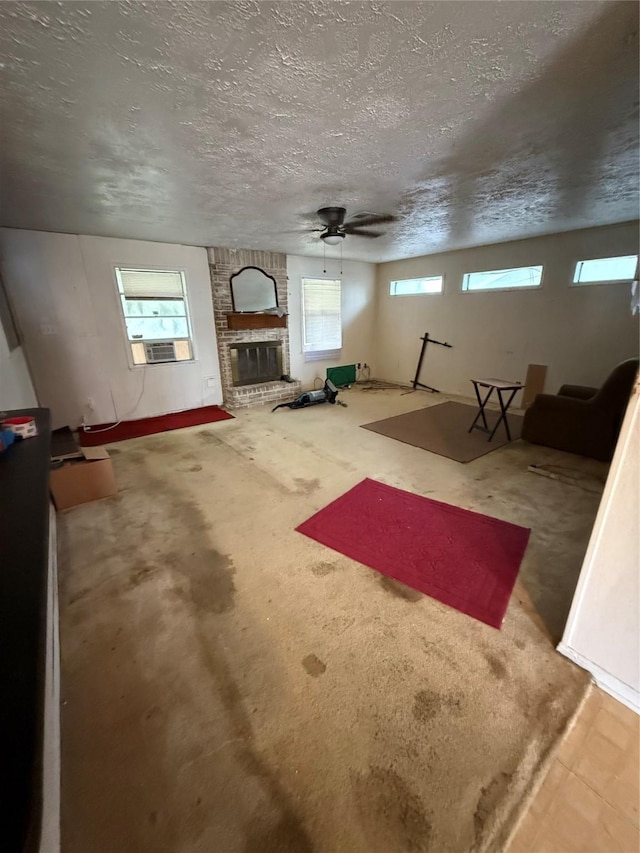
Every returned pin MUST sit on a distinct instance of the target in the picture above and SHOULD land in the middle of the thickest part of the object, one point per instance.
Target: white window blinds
(150, 284)
(321, 318)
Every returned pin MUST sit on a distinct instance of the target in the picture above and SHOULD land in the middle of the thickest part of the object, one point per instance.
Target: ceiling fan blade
(360, 232)
(370, 219)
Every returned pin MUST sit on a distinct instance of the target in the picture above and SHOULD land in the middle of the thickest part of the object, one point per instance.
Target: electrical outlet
(91, 404)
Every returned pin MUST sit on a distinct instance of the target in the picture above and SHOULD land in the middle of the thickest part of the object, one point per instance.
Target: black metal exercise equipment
(426, 340)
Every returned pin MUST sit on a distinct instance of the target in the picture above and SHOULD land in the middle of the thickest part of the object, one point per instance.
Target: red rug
(150, 426)
(464, 559)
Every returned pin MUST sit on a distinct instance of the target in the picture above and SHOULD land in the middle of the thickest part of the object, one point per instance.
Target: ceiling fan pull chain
(324, 249)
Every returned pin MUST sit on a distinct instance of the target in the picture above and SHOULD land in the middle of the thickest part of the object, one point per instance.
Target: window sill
(528, 288)
(323, 355)
(163, 364)
(402, 295)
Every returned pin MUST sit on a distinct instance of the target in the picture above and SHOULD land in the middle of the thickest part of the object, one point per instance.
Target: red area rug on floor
(464, 559)
(150, 426)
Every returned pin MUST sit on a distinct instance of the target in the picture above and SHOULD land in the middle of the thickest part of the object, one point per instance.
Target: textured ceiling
(231, 123)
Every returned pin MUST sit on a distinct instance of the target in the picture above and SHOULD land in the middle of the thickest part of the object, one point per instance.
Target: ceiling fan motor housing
(333, 216)
(336, 228)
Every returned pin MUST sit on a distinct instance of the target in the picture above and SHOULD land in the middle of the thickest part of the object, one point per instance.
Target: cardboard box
(534, 383)
(79, 482)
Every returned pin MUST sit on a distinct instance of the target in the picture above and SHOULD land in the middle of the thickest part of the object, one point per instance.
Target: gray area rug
(444, 429)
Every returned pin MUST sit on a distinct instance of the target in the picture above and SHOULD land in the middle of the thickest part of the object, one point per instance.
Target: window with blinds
(321, 318)
(156, 318)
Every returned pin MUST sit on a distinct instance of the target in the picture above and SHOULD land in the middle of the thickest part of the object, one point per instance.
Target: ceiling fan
(336, 229)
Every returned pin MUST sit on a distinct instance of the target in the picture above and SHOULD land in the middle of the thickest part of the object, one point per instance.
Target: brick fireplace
(253, 346)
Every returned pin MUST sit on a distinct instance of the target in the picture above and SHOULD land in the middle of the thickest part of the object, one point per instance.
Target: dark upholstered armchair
(580, 419)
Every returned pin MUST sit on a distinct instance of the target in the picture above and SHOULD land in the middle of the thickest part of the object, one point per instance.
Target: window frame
(531, 287)
(626, 281)
(324, 354)
(440, 292)
(117, 268)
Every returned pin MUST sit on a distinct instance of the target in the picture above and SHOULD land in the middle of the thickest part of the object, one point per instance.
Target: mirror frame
(266, 274)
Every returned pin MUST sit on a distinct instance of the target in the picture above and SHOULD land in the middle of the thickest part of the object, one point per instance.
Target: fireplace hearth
(255, 361)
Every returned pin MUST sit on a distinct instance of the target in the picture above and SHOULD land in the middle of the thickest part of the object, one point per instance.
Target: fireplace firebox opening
(257, 361)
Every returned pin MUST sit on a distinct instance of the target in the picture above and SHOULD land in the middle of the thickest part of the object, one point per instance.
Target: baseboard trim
(609, 683)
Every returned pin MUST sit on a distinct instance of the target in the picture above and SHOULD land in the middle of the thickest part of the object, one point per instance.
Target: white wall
(63, 291)
(581, 333)
(358, 313)
(603, 629)
(16, 388)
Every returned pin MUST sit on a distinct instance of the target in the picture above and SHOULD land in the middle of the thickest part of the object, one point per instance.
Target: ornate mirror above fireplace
(252, 290)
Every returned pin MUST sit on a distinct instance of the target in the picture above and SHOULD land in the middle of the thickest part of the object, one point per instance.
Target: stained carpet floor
(444, 429)
(230, 686)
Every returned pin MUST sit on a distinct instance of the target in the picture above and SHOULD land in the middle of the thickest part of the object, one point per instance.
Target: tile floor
(588, 802)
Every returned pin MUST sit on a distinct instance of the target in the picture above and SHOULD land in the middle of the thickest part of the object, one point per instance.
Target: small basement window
(156, 318)
(412, 286)
(623, 269)
(509, 279)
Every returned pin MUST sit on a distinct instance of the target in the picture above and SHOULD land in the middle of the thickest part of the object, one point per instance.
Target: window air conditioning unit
(160, 351)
